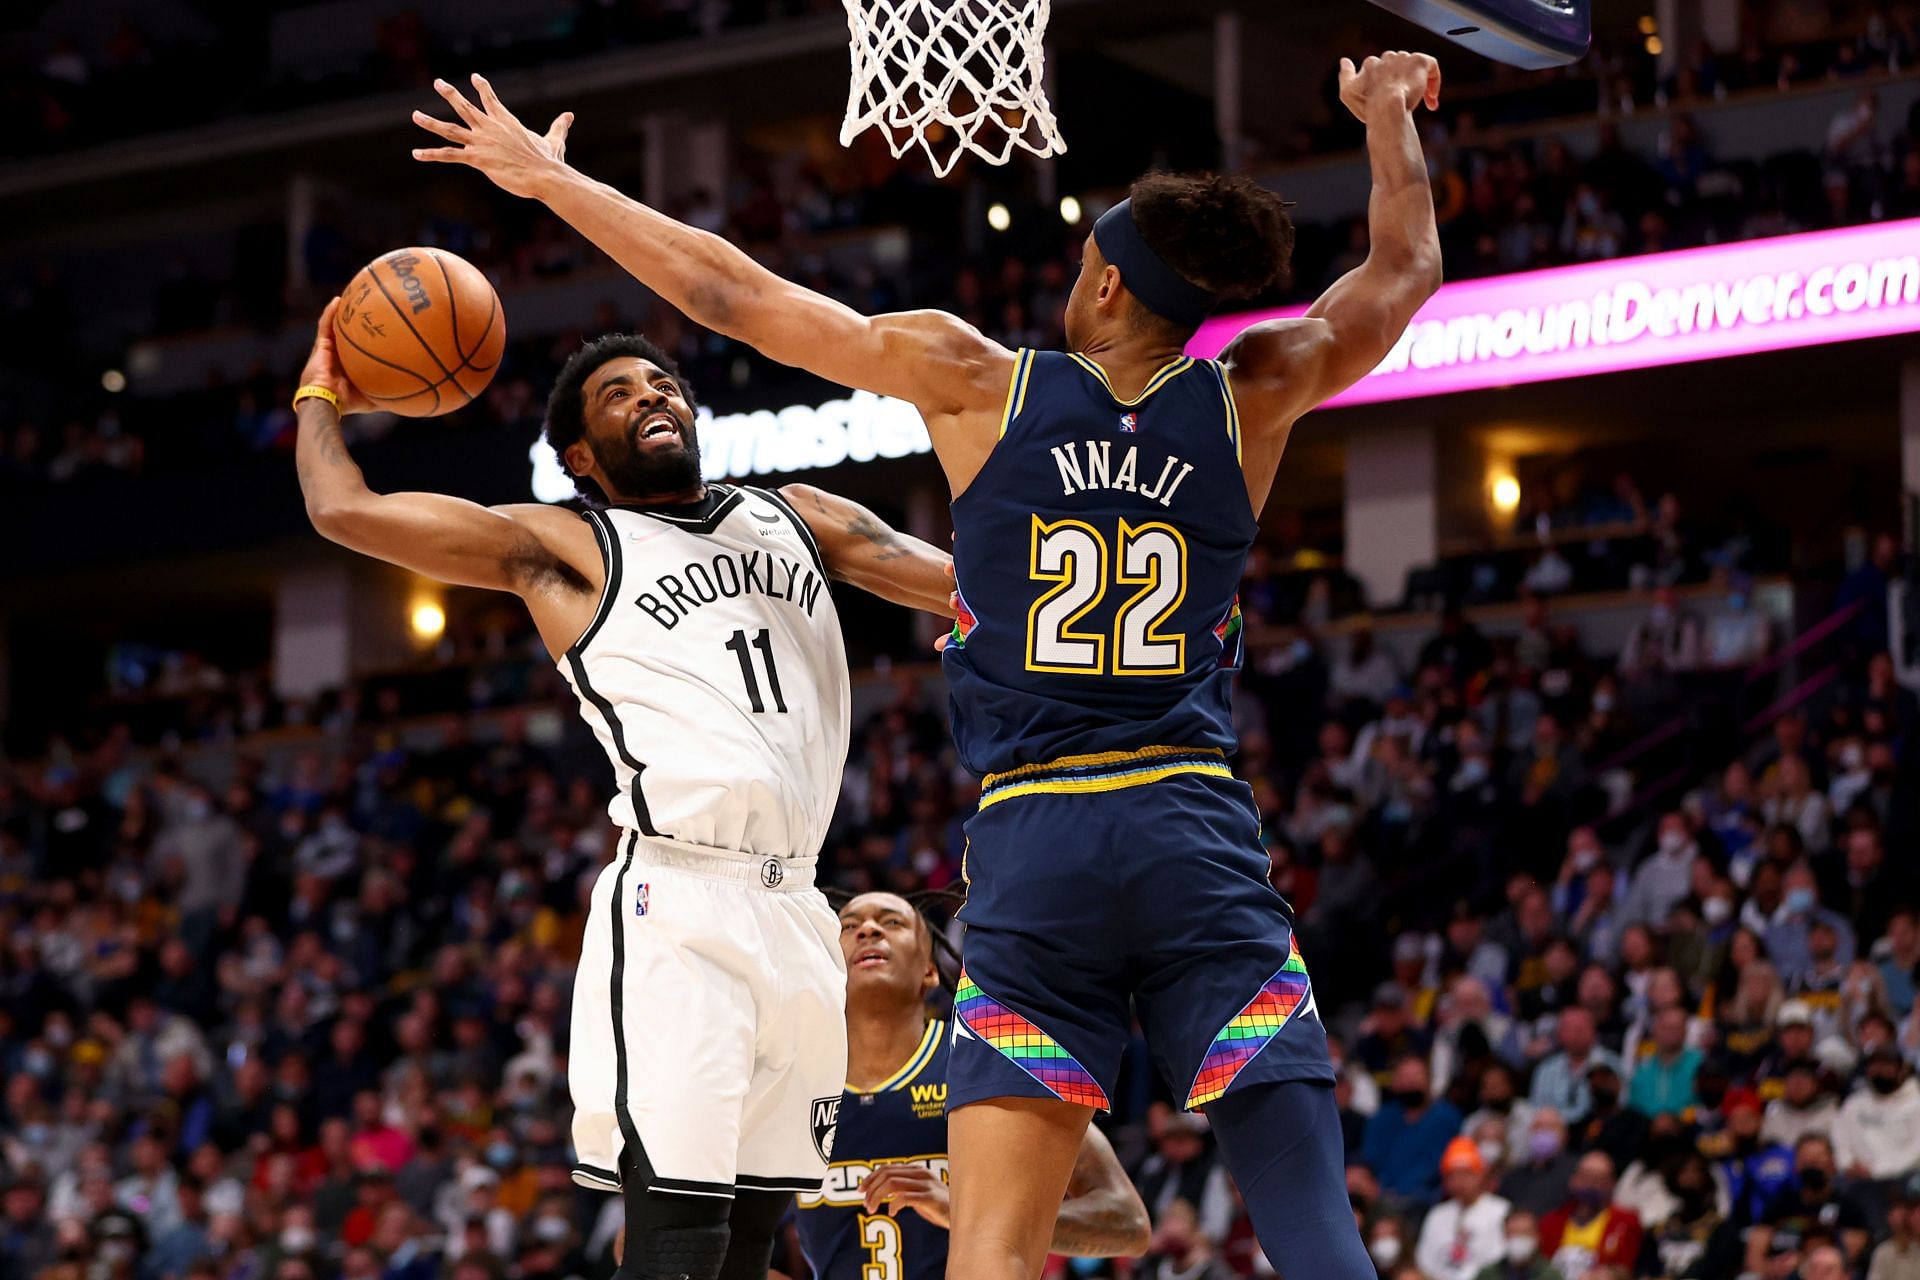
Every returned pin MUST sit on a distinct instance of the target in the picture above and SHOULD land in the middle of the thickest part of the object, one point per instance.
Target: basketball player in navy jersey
(1104, 500)
(882, 1212)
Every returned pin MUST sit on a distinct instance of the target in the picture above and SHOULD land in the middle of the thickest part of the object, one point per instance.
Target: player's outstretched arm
(1102, 1216)
(1295, 364)
(937, 362)
(862, 549)
(545, 554)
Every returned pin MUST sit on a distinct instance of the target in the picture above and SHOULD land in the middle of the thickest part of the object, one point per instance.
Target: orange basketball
(420, 331)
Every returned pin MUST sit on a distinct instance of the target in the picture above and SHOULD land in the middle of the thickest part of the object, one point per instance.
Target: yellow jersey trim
(1233, 410)
(916, 1061)
(1083, 786)
(1016, 389)
(1165, 374)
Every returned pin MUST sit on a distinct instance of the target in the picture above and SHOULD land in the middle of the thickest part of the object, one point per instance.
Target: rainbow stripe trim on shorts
(1104, 771)
(1229, 633)
(1026, 1046)
(963, 622)
(1250, 1030)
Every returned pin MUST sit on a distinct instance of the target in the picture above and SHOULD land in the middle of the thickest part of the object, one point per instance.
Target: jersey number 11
(764, 643)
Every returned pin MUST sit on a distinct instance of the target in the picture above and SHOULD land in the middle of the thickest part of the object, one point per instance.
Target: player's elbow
(1427, 269)
(334, 519)
(1139, 1228)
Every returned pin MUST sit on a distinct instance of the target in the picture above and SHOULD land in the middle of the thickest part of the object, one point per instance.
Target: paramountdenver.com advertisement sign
(1565, 322)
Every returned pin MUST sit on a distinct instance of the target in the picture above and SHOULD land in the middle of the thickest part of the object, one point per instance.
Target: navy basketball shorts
(1101, 887)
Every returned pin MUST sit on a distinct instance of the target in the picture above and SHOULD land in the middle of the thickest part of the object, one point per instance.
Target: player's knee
(677, 1253)
(676, 1237)
(670, 1236)
(754, 1221)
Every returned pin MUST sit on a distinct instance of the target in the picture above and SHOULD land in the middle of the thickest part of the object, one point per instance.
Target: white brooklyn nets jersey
(714, 674)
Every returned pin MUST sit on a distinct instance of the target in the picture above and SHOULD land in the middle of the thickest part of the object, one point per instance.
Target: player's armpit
(862, 549)
(1102, 1216)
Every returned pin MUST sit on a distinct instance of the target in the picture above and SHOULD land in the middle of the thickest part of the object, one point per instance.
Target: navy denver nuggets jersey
(903, 1121)
(1098, 557)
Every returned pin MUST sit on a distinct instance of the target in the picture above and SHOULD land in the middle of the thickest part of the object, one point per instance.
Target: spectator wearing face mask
(1538, 1180)
(1791, 941)
(1736, 633)
(1589, 1230)
(1408, 1135)
(1498, 1100)
(1666, 877)
(1877, 1135)
(1387, 1245)
(1610, 1126)
(1815, 1203)
(1463, 1234)
(1521, 1258)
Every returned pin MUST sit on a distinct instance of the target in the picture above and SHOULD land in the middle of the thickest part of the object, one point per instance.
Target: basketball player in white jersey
(695, 623)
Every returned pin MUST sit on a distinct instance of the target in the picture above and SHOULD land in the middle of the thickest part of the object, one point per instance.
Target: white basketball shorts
(709, 1022)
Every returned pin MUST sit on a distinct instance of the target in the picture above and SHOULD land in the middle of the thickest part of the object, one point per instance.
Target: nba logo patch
(1130, 422)
(640, 897)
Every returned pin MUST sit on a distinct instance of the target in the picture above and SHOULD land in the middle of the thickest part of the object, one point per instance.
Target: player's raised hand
(491, 138)
(1393, 81)
(893, 1187)
(323, 368)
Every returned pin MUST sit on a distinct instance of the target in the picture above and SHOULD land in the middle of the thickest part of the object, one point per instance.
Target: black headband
(1160, 288)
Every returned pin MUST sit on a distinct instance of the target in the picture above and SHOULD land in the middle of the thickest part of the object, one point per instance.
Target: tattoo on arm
(1101, 1217)
(1093, 1226)
(865, 526)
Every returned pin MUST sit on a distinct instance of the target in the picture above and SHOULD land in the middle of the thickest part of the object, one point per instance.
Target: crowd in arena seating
(290, 1003)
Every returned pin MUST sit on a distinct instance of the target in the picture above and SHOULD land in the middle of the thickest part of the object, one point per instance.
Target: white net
(951, 76)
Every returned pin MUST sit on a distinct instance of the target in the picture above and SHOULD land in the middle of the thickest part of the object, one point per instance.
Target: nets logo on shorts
(772, 873)
(641, 897)
(826, 1119)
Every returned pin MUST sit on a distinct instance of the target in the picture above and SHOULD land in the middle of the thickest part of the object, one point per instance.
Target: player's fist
(1394, 81)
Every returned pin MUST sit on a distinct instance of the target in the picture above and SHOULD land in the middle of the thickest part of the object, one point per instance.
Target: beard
(649, 472)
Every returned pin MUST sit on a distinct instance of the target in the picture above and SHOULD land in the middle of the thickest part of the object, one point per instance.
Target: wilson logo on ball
(403, 264)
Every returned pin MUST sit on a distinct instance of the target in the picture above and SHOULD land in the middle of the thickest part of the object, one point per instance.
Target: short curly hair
(566, 406)
(1231, 236)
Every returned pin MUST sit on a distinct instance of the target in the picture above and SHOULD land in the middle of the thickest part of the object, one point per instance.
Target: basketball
(420, 331)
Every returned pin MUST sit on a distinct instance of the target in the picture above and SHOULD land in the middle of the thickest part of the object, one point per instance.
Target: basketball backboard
(1533, 34)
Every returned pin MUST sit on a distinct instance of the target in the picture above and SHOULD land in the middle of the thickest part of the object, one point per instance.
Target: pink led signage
(1633, 313)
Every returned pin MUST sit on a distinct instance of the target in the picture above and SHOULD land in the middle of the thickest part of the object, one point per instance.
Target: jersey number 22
(1075, 557)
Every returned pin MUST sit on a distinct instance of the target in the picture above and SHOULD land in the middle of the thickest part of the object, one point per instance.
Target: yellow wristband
(311, 390)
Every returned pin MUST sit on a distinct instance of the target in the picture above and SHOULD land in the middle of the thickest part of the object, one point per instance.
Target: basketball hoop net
(951, 76)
